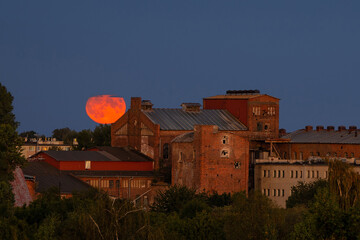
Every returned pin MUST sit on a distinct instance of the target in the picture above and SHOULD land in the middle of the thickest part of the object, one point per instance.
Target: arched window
(166, 151)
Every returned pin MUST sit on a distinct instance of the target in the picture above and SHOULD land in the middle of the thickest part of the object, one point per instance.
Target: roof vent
(146, 105)
(330, 128)
(319, 128)
(308, 128)
(341, 128)
(242, 92)
(191, 107)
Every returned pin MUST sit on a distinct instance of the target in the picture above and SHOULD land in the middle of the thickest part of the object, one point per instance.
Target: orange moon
(105, 109)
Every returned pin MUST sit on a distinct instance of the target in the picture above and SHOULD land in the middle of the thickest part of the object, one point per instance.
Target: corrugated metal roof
(178, 119)
(124, 154)
(48, 176)
(111, 173)
(78, 156)
(324, 136)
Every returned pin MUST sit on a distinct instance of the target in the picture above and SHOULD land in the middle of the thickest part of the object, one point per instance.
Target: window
(117, 184)
(318, 154)
(271, 111)
(268, 175)
(296, 174)
(180, 156)
(279, 173)
(259, 126)
(274, 173)
(111, 183)
(236, 165)
(283, 173)
(87, 164)
(166, 151)
(301, 155)
(284, 155)
(225, 153)
(300, 174)
(256, 111)
(264, 173)
(317, 174)
(32, 148)
(268, 192)
(225, 140)
(352, 155)
(295, 156)
(125, 183)
(309, 174)
(266, 126)
(292, 174)
(278, 193)
(274, 192)
(313, 174)
(264, 191)
(283, 192)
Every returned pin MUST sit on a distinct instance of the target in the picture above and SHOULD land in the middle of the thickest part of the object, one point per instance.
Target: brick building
(151, 130)
(209, 159)
(121, 172)
(320, 142)
(251, 116)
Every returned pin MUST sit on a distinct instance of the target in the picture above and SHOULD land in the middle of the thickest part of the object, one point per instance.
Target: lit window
(225, 153)
(87, 164)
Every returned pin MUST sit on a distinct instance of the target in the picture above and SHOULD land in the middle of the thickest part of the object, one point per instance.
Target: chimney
(352, 128)
(191, 107)
(282, 132)
(136, 103)
(319, 128)
(341, 128)
(308, 128)
(146, 105)
(330, 128)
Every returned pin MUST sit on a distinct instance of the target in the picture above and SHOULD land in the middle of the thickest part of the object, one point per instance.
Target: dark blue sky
(54, 55)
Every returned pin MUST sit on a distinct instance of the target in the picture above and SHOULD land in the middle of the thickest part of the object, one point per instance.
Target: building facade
(210, 160)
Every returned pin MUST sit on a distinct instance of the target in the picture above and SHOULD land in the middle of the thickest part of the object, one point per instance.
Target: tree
(304, 193)
(85, 139)
(102, 135)
(28, 134)
(10, 141)
(65, 134)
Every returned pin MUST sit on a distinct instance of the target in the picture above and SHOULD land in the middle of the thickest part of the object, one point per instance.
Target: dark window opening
(166, 151)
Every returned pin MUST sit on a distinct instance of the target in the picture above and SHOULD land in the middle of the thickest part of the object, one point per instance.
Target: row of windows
(293, 174)
(270, 111)
(317, 154)
(274, 192)
(135, 183)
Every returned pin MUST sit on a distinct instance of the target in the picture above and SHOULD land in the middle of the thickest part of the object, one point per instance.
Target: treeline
(321, 210)
(100, 136)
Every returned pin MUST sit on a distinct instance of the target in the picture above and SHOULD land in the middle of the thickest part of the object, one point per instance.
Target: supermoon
(105, 109)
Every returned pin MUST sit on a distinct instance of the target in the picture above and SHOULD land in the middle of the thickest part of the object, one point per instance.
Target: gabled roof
(184, 138)
(79, 156)
(178, 119)
(114, 154)
(47, 176)
(124, 154)
(323, 136)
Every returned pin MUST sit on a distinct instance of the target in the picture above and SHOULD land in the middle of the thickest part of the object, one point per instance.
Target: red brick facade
(214, 161)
